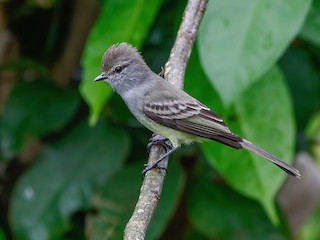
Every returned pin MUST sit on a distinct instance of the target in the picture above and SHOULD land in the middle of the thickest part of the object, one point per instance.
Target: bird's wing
(178, 110)
(188, 115)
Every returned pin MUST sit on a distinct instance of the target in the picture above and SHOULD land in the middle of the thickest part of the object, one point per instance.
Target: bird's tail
(285, 167)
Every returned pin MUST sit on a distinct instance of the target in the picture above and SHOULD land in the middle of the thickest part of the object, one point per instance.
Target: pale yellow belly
(176, 137)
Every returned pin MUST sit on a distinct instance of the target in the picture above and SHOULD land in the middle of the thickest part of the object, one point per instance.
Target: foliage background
(256, 63)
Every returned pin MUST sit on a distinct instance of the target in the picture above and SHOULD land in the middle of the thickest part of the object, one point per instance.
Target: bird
(167, 110)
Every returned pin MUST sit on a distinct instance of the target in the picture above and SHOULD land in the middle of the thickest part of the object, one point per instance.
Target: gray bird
(165, 109)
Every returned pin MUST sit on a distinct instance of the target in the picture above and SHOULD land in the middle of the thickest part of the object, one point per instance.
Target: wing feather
(191, 117)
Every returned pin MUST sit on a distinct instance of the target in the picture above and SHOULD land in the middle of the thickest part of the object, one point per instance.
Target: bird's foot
(161, 74)
(159, 140)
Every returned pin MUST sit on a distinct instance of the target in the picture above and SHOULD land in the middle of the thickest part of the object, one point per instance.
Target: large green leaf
(220, 213)
(247, 173)
(33, 110)
(240, 40)
(63, 179)
(264, 117)
(116, 200)
(119, 21)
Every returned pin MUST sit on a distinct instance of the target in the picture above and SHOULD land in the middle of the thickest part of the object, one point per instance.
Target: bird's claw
(161, 74)
(159, 140)
(148, 167)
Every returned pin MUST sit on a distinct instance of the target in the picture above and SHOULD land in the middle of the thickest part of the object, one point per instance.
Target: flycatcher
(167, 110)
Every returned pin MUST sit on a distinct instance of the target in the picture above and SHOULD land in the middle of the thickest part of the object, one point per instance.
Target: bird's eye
(118, 69)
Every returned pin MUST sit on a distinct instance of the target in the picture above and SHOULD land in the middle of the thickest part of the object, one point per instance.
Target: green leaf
(116, 201)
(119, 21)
(312, 131)
(264, 116)
(63, 179)
(33, 110)
(312, 134)
(191, 234)
(240, 40)
(304, 83)
(219, 213)
(244, 175)
(311, 28)
(2, 235)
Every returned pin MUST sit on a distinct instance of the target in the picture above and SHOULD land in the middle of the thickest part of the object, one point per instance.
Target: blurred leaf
(311, 28)
(117, 111)
(304, 83)
(33, 110)
(119, 21)
(117, 199)
(63, 179)
(20, 64)
(311, 230)
(265, 118)
(240, 40)
(2, 235)
(192, 234)
(220, 213)
(312, 133)
(313, 128)
(161, 36)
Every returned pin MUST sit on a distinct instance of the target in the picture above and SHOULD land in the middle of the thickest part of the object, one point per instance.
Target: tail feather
(285, 167)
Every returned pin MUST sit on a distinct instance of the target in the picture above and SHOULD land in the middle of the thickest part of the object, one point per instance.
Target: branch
(174, 72)
(84, 15)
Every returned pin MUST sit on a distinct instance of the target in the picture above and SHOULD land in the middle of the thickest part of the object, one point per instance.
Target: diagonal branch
(174, 72)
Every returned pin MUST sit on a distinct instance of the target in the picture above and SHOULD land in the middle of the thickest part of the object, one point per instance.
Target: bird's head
(122, 67)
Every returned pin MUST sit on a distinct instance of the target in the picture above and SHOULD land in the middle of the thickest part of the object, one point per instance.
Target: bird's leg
(166, 144)
(148, 167)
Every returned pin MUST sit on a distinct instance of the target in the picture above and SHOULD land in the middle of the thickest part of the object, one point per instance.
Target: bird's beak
(101, 77)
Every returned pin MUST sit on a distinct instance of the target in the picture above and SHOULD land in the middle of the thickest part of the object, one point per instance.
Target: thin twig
(174, 72)
(83, 17)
